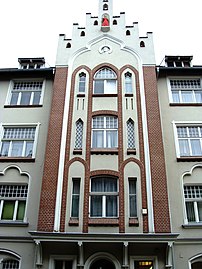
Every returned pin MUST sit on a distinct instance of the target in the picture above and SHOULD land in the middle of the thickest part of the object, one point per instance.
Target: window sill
(111, 151)
(80, 94)
(189, 159)
(105, 95)
(128, 94)
(21, 106)
(133, 222)
(74, 222)
(77, 151)
(103, 222)
(13, 223)
(131, 151)
(17, 159)
(185, 104)
(192, 226)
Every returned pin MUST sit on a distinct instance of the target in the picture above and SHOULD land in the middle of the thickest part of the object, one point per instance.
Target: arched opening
(142, 44)
(105, 7)
(102, 263)
(82, 33)
(114, 22)
(68, 45)
(127, 32)
(96, 22)
(196, 265)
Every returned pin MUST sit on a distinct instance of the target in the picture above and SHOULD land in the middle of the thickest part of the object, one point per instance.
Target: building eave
(178, 71)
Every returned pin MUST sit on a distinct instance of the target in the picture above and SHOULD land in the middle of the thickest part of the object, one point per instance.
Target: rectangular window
(144, 264)
(186, 90)
(63, 264)
(17, 142)
(190, 140)
(105, 132)
(25, 93)
(75, 197)
(104, 197)
(132, 197)
(193, 202)
(13, 202)
(82, 82)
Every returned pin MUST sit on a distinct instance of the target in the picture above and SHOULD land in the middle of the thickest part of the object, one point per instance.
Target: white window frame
(79, 82)
(183, 124)
(180, 90)
(194, 201)
(154, 259)
(16, 200)
(105, 80)
(72, 258)
(104, 199)
(11, 85)
(126, 74)
(24, 125)
(104, 130)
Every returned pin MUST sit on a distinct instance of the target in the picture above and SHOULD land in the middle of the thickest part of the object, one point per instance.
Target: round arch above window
(102, 258)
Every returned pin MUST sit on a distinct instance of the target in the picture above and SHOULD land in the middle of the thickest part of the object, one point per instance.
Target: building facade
(89, 174)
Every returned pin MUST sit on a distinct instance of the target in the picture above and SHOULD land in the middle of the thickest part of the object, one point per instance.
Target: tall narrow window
(82, 82)
(104, 197)
(75, 197)
(132, 197)
(105, 132)
(105, 81)
(13, 202)
(128, 83)
(79, 134)
(193, 202)
(131, 134)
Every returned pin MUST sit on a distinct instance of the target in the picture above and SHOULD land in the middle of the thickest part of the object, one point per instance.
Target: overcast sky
(31, 28)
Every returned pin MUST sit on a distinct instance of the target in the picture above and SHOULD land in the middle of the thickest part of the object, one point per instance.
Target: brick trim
(48, 194)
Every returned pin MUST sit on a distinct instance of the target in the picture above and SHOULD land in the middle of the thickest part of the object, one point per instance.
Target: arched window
(82, 33)
(142, 44)
(105, 81)
(127, 32)
(105, 132)
(114, 22)
(79, 134)
(130, 134)
(104, 197)
(96, 22)
(128, 82)
(82, 82)
(68, 45)
(105, 7)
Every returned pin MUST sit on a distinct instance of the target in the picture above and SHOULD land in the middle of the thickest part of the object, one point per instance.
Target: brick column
(49, 182)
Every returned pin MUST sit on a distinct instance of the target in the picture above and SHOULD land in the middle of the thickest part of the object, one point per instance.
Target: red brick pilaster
(157, 160)
(49, 183)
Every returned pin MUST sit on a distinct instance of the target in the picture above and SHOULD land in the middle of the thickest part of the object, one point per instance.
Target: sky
(31, 28)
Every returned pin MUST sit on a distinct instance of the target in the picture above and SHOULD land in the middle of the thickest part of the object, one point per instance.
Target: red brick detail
(141, 163)
(157, 159)
(68, 162)
(49, 183)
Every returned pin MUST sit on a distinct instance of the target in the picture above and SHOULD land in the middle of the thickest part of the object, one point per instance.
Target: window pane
(21, 210)
(25, 98)
(58, 264)
(98, 139)
(75, 206)
(200, 210)
(4, 149)
(16, 149)
(14, 98)
(196, 147)
(68, 264)
(99, 86)
(176, 97)
(111, 139)
(110, 86)
(96, 206)
(190, 211)
(8, 210)
(37, 96)
(184, 147)
(187, 97)
(133, 206)
(111, 206)
(110, 184)
(29, 149)
(198, 96)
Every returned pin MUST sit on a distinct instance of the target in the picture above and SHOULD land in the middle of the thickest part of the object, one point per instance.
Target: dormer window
(178, 61)
(31, 63)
